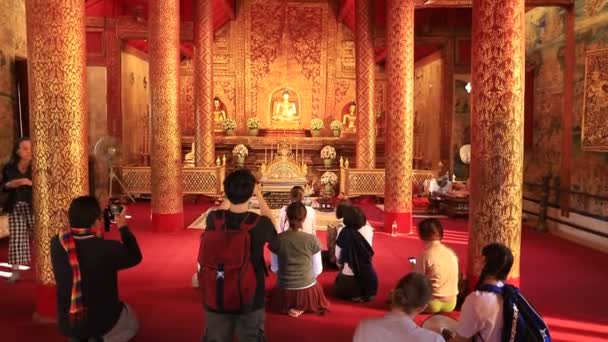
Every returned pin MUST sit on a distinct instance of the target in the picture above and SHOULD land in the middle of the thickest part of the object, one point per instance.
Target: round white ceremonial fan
(465, 153)
(109, 151)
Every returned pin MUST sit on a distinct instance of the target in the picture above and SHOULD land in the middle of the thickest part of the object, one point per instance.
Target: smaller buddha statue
(189, 158)
(348, 120)
(219, 114)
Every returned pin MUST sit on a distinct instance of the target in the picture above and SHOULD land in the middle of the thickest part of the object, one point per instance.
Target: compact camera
(109, 214)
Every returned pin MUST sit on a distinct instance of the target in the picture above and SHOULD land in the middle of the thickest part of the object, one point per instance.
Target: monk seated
(459, 189)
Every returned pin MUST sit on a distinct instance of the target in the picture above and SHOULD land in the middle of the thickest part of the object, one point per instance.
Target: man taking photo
(86, 268)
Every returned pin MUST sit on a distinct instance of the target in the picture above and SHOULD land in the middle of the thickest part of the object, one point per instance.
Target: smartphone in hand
(412, 261)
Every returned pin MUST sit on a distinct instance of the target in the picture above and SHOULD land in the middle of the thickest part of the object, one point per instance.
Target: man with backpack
(497, 311)
(232, 267)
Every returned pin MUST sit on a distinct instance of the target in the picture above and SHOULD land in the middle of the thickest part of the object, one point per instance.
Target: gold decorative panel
(356, 182)
(196, 180)
(595, 112)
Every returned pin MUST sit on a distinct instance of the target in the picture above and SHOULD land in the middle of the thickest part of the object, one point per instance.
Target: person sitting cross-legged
(86, 268)
(439, 263)
(407, 300)
(296, 259)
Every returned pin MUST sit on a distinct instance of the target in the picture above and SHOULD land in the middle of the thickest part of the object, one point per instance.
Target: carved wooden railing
(196, 180)
(357, 182)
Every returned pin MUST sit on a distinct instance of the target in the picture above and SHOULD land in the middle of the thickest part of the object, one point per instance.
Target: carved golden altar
(284, 170)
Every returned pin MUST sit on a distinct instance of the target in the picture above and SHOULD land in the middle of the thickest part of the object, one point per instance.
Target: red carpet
(566, 283)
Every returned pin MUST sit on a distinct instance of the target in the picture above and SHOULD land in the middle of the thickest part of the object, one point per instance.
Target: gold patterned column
(203, 83)
(366, 118)
(497, 123)
(59, 126)
(400, 118)
(165, 152)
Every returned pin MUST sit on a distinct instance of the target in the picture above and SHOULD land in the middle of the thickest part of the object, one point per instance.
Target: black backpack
(521, 321)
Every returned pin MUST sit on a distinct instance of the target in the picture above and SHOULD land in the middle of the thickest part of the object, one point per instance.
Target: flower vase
(327, 162)
(315, 132)
(230, 132)
(336, 133)
(240, 161)
(253, 132)
(329, 190)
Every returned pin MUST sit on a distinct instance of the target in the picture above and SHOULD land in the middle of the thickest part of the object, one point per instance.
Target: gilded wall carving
(497, 117)
(305, 30)
(595, 112)
(427, 129)
(59, 124)
(135, 106)
(186, 100)
(267, 24)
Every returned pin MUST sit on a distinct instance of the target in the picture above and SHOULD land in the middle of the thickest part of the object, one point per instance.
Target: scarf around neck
(66, 238)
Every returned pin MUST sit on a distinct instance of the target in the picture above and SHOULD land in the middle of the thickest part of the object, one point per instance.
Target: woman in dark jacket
(357, 280)
(17, 181)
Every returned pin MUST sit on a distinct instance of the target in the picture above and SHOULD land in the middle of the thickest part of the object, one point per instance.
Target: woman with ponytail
(482, 312)
(409, 298)
(296, 259)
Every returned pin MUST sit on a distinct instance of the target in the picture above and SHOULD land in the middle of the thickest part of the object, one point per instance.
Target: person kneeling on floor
(357, 279)
(86, 268)
(297, 260)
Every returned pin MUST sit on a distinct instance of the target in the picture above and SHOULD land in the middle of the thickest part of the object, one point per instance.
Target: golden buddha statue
(348, 120)
(285, 111)
(219, 114)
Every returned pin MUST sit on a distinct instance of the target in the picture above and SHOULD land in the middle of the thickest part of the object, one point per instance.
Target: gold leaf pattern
(203, 83)
(497, 117)
(57, 70)
(399, 127)
(165, 151)
(366, 118)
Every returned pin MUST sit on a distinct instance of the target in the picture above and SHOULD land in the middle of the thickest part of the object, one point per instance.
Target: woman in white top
(357, 280)
(407, 300)
(297, 195)
(482, 312)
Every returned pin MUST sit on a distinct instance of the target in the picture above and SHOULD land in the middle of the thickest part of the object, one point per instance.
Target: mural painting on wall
(595, 112)
(461, 127)
(545, 50)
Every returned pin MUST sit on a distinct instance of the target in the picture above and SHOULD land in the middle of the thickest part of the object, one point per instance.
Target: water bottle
(394, 229)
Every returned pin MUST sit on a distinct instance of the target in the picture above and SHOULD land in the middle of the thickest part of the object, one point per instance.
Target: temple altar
(283, 171)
